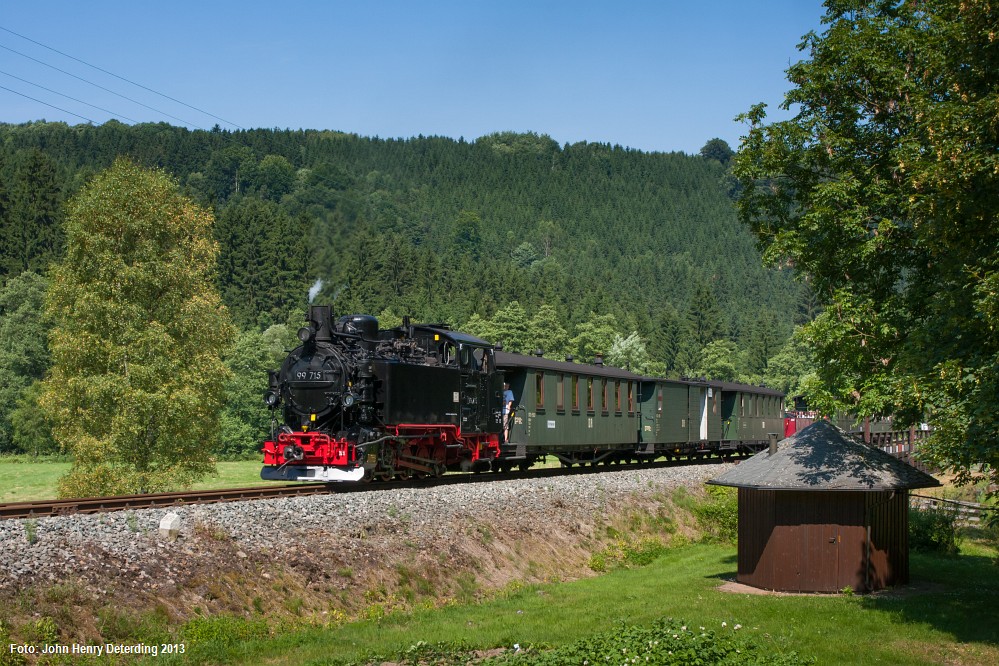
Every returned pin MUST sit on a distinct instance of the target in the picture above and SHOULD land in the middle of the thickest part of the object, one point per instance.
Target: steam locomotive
(353, 402)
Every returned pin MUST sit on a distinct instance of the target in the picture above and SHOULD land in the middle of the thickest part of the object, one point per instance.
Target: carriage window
(575, 393)
(560, 393)
(631, 397)
(478, 356)
(617, 397)
(539, 389)
(589, 394)
(605, 400)
(714, 404)
(659, 397)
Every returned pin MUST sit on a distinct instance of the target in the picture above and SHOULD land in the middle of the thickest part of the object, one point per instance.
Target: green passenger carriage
(593, 413)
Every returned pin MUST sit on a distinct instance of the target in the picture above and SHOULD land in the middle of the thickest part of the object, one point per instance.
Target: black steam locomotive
(360, 403)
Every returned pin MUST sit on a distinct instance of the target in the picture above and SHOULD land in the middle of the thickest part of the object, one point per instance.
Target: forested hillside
(576, 249)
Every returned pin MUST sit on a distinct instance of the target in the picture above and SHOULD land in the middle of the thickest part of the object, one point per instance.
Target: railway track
(39, 508)
(86, 505)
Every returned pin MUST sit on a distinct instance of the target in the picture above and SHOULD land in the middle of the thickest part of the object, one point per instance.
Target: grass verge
(941, 618)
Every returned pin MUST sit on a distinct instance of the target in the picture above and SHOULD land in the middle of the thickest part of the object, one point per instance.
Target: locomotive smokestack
(319, 315)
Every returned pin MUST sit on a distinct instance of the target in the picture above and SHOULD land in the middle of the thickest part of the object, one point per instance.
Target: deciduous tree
(136, 384)
(882, 190)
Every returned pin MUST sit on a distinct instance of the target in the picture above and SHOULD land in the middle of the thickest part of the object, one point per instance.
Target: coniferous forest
(574, 249)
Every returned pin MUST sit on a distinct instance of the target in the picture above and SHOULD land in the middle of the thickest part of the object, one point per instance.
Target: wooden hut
(820, 512)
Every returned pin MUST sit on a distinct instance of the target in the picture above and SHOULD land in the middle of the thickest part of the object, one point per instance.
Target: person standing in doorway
(507, 411)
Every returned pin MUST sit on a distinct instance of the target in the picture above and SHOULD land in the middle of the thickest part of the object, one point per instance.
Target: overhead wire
(139, 85)
(80, 78)
(89, 120)
(56, 92)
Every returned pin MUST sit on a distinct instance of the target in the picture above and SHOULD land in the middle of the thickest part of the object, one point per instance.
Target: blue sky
(657, 76)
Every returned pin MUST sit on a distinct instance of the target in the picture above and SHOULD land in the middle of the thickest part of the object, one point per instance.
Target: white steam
(314, 290)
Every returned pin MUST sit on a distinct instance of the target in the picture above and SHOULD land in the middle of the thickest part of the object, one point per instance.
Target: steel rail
(40, 508)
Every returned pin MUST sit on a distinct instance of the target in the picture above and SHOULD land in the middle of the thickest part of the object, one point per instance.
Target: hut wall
(888, 516)
(808, 541)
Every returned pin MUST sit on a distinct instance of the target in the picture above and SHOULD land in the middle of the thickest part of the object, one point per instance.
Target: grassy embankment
(943, 617)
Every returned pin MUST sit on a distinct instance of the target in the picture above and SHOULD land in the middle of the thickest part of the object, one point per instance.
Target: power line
(80, 78)
(56, 92)
(47, 104)
(228, 122)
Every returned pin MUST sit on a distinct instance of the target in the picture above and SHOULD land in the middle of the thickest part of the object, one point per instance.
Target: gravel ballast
(317, 535)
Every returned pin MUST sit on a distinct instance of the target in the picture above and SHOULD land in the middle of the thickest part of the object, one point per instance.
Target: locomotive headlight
(306, 333)
(348, 399)
(271, 398)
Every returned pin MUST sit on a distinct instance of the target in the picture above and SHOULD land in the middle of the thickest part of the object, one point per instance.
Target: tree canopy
(881, 189)
(135, 386)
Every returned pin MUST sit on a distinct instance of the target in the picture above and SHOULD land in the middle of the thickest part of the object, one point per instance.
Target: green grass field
(945, 616)
(22, 481)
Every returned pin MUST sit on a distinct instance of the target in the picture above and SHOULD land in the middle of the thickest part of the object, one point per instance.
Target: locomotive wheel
(404, 474)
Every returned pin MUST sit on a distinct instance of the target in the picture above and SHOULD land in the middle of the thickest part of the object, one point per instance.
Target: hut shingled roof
(822, 457)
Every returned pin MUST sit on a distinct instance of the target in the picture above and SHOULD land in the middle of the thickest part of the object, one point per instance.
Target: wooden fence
(965, 513)
(900, 443)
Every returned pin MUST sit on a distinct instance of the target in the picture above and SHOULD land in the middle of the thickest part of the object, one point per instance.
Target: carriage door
(705, 397)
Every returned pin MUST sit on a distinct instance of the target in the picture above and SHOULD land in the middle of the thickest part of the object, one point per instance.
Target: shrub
(932, 530)
(667, 641)
(719, 514)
